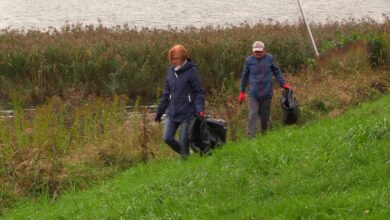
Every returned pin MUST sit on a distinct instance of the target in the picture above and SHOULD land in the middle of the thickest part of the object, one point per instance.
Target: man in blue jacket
(258, 70)
(183, 96)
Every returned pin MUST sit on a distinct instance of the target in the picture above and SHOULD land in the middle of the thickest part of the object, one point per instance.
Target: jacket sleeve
(164, 101)
(277, 73)
(198, 91)
(244, 76)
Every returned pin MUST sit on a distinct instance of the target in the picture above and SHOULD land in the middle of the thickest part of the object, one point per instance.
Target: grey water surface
(42, 14)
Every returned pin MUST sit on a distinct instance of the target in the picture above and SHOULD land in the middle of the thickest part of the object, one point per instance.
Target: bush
(380, 51)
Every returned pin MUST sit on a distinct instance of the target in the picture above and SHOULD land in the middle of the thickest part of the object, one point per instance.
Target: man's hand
(242, 97)
(286, 86)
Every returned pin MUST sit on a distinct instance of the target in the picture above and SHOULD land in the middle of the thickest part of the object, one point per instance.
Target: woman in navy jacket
(183, 97)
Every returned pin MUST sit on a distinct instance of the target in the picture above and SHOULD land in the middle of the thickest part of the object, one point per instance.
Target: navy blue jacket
(259, 73)
(183, 94)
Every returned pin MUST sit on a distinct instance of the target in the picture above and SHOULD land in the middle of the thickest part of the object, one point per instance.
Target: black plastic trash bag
(290, 107)
(206, 134)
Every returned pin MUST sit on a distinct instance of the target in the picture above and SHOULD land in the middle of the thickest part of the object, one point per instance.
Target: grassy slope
(336, 168)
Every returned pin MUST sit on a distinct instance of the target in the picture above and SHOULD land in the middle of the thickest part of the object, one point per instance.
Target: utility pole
(308, 29)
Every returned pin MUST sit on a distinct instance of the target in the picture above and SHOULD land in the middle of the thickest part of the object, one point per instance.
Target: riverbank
(332, 169)
(79, 135)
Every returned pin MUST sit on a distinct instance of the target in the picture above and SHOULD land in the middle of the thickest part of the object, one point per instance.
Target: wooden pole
(308, 29)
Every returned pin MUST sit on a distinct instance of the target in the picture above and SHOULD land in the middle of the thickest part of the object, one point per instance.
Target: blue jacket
(259, 73)
(183, 94)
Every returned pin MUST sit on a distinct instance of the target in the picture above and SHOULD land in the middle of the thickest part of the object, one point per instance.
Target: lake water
(42, 14)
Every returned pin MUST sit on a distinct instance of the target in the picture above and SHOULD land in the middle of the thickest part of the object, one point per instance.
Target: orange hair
(179, 50)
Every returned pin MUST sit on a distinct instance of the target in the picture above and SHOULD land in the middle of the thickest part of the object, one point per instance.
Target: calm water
(42, 14)
(3, 105)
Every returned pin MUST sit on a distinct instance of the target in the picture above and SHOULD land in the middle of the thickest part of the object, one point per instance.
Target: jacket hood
(189, 64)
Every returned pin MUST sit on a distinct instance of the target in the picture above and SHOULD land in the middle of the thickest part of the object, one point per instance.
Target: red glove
(286, 86)
(201, 114)
(242, 97)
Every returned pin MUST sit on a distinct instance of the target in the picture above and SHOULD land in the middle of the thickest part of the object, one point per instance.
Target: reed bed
(96, 60)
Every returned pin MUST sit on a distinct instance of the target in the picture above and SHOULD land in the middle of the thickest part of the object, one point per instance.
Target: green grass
(332, 169)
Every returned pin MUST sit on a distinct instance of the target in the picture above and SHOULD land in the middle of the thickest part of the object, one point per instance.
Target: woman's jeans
(170, 128)
(258, 109)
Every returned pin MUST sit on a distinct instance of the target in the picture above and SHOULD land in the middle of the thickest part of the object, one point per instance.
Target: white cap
(258, 46)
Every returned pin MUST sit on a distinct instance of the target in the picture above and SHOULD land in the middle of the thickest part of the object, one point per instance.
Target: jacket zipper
(170, 95)
(259, 68)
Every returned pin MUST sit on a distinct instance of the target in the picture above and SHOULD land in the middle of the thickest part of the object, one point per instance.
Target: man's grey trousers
(258, 109)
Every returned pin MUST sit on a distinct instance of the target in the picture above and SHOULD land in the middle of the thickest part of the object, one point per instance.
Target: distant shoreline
(379, 20)
(60, 28)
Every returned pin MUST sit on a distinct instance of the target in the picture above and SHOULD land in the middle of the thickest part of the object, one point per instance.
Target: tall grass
(124, 61)
(62, 146)
(332, 169)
